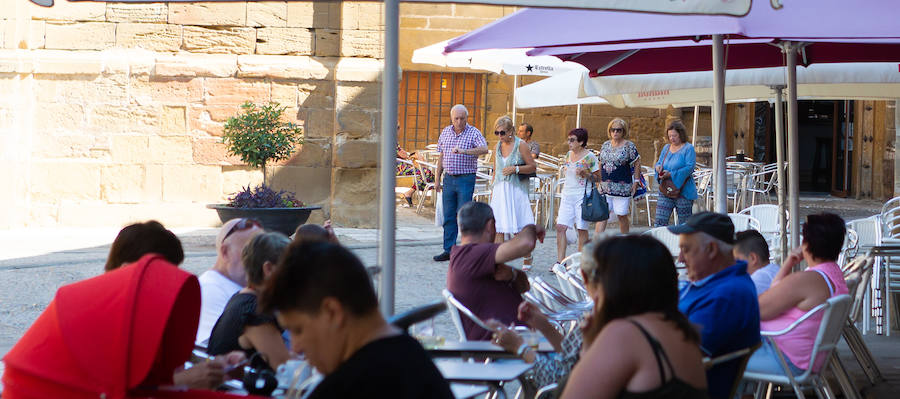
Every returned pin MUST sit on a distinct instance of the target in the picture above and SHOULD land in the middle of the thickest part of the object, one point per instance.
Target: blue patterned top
(616, 172)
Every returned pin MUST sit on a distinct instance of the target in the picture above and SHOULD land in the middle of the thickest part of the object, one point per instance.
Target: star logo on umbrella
(529, 68)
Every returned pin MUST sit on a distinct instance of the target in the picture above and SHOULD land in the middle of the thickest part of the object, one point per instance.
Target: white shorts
(570, 212)
(618, 205)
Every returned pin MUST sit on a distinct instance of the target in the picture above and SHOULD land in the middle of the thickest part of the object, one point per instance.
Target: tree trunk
(264, 173)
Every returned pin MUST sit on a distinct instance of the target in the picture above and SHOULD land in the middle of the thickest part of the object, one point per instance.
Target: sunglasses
(500, 133)
(572, 139)
(617, 130)
(241, 225)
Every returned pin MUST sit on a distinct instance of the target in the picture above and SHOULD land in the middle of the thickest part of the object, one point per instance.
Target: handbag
(526, 176)
(667, 186)
(594, 207)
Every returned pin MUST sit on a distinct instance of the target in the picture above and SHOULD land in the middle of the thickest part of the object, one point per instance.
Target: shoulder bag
(667, 187)
(594, 207)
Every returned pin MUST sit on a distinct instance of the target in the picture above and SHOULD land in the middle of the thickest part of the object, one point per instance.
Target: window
(425, 102)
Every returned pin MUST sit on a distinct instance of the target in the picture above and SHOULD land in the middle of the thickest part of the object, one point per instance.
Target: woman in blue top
(676, 162)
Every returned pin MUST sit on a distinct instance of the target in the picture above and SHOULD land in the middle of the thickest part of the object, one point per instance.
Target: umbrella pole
(793, 145)
(578, 115)
(388, 153)
(696, 121)
(515, 86)
(719, 148)
(779, 158)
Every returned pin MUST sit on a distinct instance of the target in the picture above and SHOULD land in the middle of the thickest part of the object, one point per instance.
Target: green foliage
(258, 135)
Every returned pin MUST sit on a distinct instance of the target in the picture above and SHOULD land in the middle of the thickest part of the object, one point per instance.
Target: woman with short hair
(580, 164)
(791, 295)
(620, 177)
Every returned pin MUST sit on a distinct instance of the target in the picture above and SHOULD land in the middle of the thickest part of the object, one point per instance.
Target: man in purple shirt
(459, 146)
(477, 275)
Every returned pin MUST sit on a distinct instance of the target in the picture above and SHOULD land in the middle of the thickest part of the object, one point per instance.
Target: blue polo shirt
(726, 309)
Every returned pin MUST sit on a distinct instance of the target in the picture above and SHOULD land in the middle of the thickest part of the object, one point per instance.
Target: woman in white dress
(509, 196)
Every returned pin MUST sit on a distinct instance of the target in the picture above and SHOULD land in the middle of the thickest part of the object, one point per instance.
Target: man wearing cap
(721, 298)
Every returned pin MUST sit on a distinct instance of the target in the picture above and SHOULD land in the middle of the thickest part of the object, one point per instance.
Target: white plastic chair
(834, 315)
(669, 239)
(744, 222)
(767, 216)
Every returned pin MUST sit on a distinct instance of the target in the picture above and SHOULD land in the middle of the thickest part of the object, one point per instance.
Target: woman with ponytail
(636, 343)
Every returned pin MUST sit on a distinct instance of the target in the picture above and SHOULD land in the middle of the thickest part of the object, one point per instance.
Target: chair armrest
(793, 325)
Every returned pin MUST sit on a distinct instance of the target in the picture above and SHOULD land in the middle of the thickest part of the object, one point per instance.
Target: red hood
(107, 335)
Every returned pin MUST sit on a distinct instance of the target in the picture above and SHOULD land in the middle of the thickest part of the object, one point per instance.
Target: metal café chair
(834, 315)
(858, 274)
(570, 283)
(456, 309)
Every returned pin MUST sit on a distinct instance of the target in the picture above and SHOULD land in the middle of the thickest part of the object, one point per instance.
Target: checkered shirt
(458, 164)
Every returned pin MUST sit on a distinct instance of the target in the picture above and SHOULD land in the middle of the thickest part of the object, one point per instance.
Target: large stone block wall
(113, 112)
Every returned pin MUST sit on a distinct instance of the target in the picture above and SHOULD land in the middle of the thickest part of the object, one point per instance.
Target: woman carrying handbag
(674, 172)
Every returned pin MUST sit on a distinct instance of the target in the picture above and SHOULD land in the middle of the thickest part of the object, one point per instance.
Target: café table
(492, 375)
(479, 349)
(466, 391)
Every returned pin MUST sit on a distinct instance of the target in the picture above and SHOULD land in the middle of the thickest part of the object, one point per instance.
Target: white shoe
(526, 268)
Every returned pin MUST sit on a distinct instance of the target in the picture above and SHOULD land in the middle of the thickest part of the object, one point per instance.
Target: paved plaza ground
(35, 262)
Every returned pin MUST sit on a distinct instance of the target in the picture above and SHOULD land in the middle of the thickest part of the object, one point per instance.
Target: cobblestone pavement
(30, 275)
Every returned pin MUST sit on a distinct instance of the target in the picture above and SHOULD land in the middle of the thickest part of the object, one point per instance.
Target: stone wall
(113, 112)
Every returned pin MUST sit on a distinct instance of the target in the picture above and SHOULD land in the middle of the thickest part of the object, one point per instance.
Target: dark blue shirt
(726, 309)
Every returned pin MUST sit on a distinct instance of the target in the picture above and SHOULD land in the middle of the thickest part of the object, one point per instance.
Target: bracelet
(517, 169)
(522, 349)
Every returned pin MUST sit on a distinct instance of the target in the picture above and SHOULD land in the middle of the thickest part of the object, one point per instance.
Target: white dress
(509, 197)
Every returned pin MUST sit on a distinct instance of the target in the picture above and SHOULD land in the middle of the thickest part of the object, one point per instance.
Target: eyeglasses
(500, 133)
(572, 139)
(617, 130)
(242, 224)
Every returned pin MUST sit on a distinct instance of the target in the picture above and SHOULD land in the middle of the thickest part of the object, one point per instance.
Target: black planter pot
(282, 220)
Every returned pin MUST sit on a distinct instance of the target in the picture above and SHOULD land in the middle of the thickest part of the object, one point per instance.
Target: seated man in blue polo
(721, 299)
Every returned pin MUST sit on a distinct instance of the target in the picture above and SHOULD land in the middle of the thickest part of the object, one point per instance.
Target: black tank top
(674, 388)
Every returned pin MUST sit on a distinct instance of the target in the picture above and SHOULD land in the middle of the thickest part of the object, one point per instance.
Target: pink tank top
(797, 344)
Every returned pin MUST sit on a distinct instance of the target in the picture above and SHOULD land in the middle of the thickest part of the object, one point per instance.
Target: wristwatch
(522, 349)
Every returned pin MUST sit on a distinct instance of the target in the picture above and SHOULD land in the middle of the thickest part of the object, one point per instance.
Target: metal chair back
(456, 308)
(744, 222)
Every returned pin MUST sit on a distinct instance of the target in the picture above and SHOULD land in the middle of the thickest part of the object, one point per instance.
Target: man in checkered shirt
(459, 146)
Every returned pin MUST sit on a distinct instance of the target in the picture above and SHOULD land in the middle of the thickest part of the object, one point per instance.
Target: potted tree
(258, 136)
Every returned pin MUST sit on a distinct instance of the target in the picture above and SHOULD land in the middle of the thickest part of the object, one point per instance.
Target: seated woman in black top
(241, 327)
(638, 344)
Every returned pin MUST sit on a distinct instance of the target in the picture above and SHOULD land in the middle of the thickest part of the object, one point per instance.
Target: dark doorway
(820, 124)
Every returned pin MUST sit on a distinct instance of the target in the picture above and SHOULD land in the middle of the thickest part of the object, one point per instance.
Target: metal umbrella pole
(696, 126)
(793, 144)
(779, 158)
(719, 172)
(387, 223)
